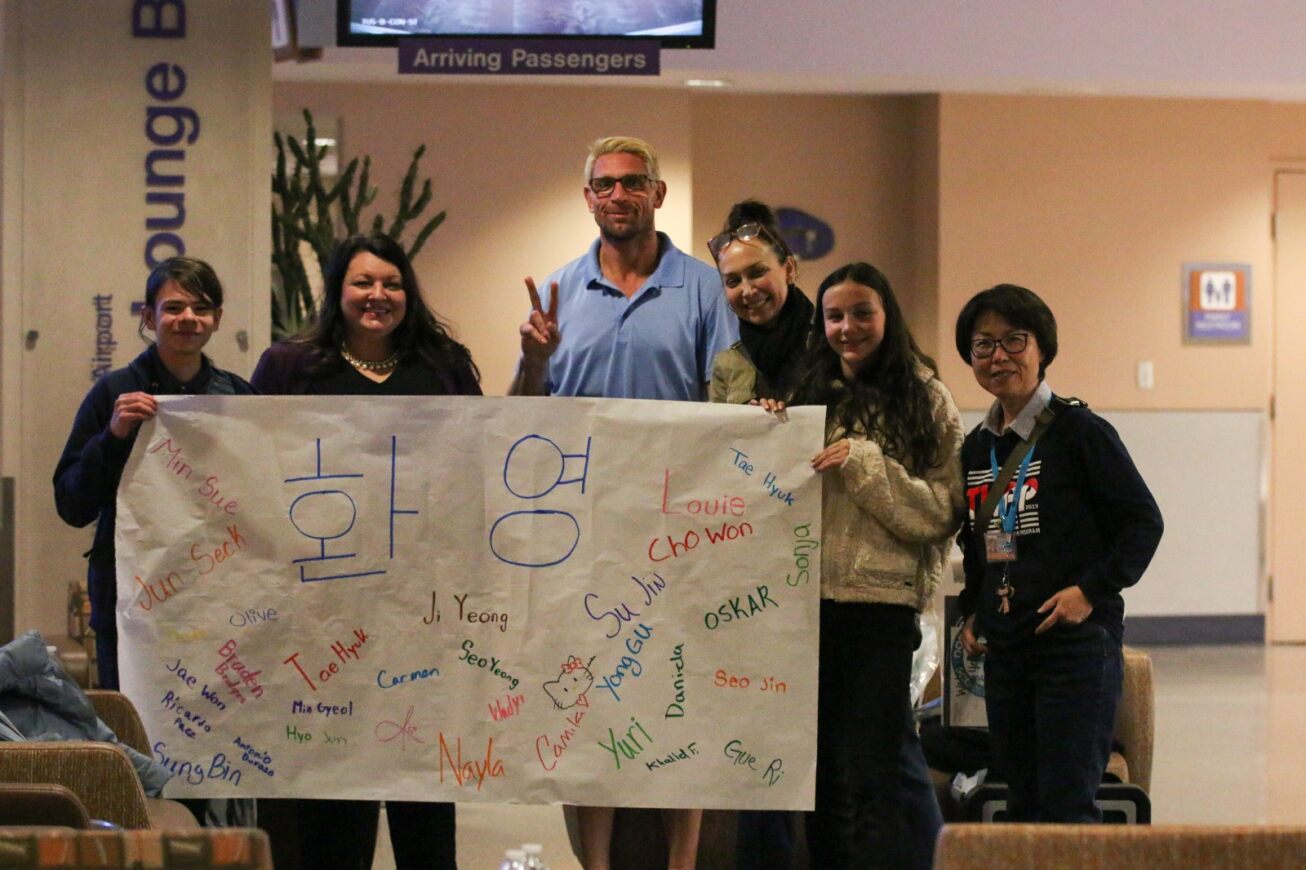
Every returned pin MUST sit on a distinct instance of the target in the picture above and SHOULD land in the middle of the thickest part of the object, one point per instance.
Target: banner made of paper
(606, 602)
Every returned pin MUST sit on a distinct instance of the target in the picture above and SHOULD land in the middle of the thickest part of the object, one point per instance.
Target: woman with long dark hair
(374, 336)
(759, 274)
(891, 500)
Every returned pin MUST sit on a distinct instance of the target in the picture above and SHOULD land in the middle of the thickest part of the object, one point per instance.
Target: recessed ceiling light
(707, 83)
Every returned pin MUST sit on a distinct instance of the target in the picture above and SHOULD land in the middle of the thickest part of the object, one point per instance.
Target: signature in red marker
(395, 730)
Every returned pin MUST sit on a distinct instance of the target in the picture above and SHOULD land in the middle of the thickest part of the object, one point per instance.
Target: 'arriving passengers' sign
(525, 57)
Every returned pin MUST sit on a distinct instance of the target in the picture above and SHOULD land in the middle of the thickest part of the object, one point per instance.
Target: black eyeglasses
(745, 233)
(1012, 342)
(605, 184)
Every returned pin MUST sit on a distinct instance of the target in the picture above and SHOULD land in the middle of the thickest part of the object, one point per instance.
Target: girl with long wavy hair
(891, 501)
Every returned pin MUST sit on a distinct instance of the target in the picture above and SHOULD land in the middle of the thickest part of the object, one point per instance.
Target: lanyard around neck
(1007, 510)
(1019, 458)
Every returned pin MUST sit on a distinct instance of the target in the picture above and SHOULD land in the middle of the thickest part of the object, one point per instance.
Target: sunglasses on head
(745, 233)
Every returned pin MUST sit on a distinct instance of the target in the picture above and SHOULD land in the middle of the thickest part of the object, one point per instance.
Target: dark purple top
(284, 370)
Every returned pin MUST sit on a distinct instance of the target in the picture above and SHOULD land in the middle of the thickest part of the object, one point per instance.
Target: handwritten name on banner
(610, 602)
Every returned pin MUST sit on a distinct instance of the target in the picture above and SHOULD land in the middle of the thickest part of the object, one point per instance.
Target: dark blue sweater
(1087, 519)
(86, 478)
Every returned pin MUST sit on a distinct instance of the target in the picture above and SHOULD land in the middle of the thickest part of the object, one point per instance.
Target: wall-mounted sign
(809, 237)
(530, 57)
(1217, 301)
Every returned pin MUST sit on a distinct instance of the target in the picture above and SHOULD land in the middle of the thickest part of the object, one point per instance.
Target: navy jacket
(1085, 518)
(86, 478)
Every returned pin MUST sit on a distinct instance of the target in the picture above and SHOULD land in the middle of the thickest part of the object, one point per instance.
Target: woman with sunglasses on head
(1059, 522)
(374, 336)
(183, 307)
(758, 272)
(891, 500)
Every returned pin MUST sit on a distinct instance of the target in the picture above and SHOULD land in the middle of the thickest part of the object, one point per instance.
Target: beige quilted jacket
(886, 535)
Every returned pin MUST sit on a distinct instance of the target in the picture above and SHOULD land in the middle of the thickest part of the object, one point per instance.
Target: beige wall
(1096, 204)
(851, 161)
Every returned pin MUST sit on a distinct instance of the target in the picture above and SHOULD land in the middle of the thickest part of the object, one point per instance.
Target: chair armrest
(1136, 717)
(41, 803)
(100, 774)
(171, 814)
(120, 714)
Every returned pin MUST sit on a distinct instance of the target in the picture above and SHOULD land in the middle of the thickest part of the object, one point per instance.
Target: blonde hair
(623, 145)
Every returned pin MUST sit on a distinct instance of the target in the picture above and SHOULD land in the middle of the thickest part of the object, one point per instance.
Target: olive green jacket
(735, 380)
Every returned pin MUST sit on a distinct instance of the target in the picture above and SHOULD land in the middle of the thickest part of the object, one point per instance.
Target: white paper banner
(611, 602)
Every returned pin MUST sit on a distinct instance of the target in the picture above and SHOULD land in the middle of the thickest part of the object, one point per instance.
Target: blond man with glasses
(633, 317)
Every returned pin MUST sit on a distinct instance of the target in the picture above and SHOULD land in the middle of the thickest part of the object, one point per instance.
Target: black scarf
(776, 347)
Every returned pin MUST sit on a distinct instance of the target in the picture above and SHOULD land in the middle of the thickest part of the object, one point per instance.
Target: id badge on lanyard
(1000, 543)
(999, 546)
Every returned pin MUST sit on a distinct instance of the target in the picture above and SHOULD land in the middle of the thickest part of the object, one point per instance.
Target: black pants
(1052, 706)
(865, 700)
(341, 834)
(106, 658)
(768, 839)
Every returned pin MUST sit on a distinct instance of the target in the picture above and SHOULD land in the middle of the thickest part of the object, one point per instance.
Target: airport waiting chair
(1111, 847)
(41, 803)
(118, 712)
(197, 849)
(99, 774)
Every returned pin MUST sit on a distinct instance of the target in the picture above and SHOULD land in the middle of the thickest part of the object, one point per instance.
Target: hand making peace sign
(539, 334)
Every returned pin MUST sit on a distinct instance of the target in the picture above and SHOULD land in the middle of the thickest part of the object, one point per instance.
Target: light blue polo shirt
(658, 344)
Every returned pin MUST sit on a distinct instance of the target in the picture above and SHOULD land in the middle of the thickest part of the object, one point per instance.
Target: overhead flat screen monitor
(674, 23)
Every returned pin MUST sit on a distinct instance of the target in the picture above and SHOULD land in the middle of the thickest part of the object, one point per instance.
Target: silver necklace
(379, 365)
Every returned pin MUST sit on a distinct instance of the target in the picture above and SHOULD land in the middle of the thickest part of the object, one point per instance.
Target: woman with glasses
(374, 336)
(891, 500)
(1059, 522)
